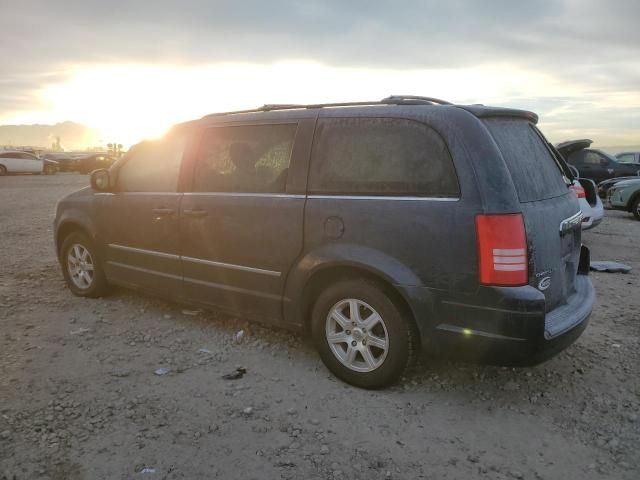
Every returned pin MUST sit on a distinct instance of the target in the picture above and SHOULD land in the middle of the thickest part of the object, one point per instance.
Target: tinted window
(249, 159)
(152, 166)
(380, 156)
(534, 171)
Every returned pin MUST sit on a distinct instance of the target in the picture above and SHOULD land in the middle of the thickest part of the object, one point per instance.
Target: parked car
(89, 163)
(595, 164)
(590, 203)
(24, 162)
(603, 187)
(380, 228)
(66, 163)
(625, 195)
(628, 157)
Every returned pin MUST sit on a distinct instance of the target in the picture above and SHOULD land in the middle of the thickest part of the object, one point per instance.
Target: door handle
(196, 213)
(163, 211)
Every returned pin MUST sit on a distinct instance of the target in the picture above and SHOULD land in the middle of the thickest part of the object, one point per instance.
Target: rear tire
(81, 266)
(3, 170)
(356, 346)
(635, 208)
(49, 170)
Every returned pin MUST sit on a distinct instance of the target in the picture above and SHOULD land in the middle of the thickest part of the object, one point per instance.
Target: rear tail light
(578, 190)
(502, 249)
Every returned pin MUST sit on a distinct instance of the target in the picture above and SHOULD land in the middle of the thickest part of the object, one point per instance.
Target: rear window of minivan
(534, 171)
(380, 156)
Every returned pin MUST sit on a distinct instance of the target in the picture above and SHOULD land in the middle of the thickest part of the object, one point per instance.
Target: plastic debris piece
(236, 374)
(611, 267)
(148, 470)
(162, 371)
(205, 351)
(237, 338)
(80, 331)
(192, 313)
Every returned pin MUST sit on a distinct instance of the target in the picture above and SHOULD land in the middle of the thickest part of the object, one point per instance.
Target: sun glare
(128, 103)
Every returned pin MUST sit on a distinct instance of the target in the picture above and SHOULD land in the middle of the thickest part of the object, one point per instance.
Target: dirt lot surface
(79, 397)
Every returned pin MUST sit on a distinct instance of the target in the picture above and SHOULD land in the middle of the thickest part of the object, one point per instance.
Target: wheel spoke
(378, 342)
(371, 321)
(368, 357)
(89, 267)
(340, 319)
(337, 338)
(351, 355)
(83, 254)
(354, 311)
(76, 252)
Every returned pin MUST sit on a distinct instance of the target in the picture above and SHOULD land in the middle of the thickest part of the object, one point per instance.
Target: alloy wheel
(357, 335)
(80, 266)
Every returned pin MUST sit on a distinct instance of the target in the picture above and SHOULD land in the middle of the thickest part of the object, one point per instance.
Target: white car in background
(590, 204)
(25, 162)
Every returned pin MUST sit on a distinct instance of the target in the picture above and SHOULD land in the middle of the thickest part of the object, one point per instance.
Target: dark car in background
(89, 163)
(379, 228)
(595, 164)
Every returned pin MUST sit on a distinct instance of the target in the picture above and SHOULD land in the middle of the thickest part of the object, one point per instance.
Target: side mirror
(100, 180)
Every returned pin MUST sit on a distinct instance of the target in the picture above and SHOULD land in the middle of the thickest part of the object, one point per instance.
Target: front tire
(81, 266)
(635, 208)
(363, 336)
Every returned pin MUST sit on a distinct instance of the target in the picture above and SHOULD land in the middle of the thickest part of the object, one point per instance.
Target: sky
(132, 68)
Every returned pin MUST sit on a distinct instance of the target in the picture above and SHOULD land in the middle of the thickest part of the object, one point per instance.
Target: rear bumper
(505, 325)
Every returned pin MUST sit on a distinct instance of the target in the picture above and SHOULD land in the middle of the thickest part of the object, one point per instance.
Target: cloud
(587, 45)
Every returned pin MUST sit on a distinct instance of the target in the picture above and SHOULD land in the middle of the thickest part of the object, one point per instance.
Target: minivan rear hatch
(551, 212)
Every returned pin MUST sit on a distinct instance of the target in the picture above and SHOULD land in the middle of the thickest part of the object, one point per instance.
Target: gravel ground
(79, 397)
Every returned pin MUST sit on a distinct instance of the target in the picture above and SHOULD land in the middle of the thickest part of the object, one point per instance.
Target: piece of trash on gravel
(205, 350)
(237, 338)
(192, 313)
(236, 374)
(80, 331)
(148, 470)
(611, 267)
(162, 371)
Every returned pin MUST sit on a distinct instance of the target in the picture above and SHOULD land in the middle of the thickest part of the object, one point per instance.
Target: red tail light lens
(579, 191)
(502, 249)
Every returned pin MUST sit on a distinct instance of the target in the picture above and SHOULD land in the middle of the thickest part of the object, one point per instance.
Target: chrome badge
(544, 284)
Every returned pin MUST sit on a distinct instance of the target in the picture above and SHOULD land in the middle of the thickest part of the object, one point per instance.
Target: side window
(244, 159)
(593, 158)
(626, 158)
(152, 166)
(380, 156)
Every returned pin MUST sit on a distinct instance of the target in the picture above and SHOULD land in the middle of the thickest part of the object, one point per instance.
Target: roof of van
(397, 101)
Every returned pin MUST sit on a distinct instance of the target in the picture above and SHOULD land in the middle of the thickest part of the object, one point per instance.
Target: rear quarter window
(534, 171)
(380, 156)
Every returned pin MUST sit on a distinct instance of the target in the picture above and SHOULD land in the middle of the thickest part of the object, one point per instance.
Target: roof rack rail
(413, 100)
(391, 100)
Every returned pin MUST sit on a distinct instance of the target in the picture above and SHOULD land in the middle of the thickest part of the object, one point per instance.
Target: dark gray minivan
(381, 228)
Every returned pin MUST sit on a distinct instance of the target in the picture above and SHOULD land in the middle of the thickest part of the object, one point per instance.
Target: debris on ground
(205, 351)
(611, 267)
(236, 374)
(237, 338)
(80, 331)
(162, 371)
(191, 313)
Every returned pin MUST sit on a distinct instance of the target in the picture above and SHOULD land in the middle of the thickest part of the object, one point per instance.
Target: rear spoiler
(481, 111)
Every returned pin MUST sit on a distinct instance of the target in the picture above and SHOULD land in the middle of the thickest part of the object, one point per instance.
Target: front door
(140, 220)
(242, 221)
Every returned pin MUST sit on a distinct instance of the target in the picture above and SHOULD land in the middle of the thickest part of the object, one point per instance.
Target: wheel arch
(317, 270)
(632, 199)
(66, 228)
